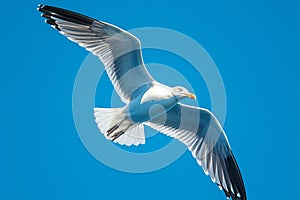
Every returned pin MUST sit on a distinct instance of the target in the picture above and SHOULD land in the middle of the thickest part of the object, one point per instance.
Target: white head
(181, 93)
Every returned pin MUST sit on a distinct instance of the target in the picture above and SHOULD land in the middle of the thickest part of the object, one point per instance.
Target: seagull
(148, 102)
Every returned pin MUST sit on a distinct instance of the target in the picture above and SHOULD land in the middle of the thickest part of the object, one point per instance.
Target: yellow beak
(190, 95)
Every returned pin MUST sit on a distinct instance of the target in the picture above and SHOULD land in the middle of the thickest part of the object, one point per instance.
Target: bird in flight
(149, 102)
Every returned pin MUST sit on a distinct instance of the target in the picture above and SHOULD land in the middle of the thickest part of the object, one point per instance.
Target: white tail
(108, 117)
(133, 136)
(105, 117)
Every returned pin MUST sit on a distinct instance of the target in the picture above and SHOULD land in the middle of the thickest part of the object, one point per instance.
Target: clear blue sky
(255, 45)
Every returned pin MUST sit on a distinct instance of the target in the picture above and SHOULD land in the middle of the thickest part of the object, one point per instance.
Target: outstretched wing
(119, 50)
(200, 131)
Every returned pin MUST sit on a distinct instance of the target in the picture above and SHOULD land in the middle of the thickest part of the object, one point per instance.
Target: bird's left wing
(200, 131)
(119, 50)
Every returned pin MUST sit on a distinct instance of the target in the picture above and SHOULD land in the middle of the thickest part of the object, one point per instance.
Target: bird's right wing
(200, 131)
(119, 50)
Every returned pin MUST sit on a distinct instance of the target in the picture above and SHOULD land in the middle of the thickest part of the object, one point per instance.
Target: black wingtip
(46, 15)
(66, 15)
(51, 22)
(40, 6)
(236, 178)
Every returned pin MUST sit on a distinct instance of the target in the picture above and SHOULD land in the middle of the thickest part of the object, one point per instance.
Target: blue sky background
(255, 45)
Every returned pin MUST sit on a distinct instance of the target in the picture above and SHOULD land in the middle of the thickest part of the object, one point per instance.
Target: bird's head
(181, 93)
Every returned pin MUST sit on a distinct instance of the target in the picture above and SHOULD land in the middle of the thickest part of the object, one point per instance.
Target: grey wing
(200, 131)
(119, 50)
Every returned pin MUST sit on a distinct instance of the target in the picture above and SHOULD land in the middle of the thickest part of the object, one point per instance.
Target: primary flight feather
(149, 102)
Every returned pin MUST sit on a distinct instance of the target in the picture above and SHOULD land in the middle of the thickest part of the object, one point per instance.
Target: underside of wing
(200, 131)
(119, 50)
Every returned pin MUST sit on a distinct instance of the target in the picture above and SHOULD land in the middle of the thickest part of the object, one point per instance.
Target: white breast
(157, 92)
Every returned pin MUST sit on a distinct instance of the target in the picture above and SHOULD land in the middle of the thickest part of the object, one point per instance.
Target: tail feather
(108, 121)
(134, 135)
(105, 117)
